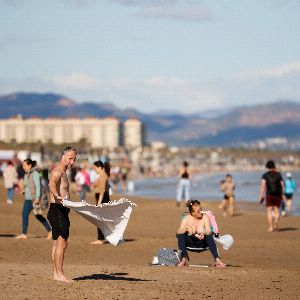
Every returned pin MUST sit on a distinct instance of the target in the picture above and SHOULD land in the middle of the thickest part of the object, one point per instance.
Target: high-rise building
(105, 132)
(133, 133)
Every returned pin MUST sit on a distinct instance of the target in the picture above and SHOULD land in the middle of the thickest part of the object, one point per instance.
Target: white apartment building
(133, 133)
(97, 132)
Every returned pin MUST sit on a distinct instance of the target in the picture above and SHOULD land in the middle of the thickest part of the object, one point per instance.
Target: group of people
(84, 179)
(194, 230)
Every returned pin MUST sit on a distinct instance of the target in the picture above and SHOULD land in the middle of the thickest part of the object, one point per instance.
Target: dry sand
(262, 265)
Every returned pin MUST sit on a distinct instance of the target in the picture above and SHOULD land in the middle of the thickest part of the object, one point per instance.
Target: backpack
(274, 183)
(168, 257)
(43, 197)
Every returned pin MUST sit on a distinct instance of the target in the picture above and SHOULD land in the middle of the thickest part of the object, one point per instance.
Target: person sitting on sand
(195, 231)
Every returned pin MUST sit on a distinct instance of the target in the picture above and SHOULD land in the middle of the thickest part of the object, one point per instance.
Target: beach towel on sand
(112, 217)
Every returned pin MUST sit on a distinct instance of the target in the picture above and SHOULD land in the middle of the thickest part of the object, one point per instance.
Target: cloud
(170, 93)
(278, 71)
(159, 92)
(148, 94)
(185, 10)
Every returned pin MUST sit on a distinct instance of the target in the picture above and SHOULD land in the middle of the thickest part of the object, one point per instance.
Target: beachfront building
(133, 133)
(105, 132)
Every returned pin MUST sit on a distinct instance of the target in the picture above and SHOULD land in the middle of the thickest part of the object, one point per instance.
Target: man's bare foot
(270, 229)
(183, 263)
(97, 242)
(64, 279)
(21, 236)
(275, 226)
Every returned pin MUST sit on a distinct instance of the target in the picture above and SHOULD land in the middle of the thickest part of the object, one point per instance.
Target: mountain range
(230, 127)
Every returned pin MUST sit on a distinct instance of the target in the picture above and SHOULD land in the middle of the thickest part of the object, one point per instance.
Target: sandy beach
(261, 265)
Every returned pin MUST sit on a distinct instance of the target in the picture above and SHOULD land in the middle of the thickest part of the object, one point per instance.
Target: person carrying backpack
(289, 190)
(32, 195)
(272, 188)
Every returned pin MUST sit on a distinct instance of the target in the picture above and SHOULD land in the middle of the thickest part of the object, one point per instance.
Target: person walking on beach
(272, 186)
(101, 187)
(83, 182)
(10, 181)
(58, 214)
(227, 186)
(289, 190)
(183, 189)
(32, 194)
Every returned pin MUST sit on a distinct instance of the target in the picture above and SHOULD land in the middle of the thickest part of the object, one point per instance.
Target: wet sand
(261, 265)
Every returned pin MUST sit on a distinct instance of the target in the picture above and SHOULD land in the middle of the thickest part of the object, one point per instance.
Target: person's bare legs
(55, 277)
(224, 207)
(61, 246)
(289, 205)
(231, 206)
(97, 242)
(270, 218)
(276, 217)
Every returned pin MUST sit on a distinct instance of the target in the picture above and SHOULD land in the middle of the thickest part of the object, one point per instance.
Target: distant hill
(212, 128)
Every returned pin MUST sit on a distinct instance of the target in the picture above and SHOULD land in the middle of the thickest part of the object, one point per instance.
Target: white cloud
(170, 93)
(149, 94)
(278, 71)
(76, 80)
(186, 10)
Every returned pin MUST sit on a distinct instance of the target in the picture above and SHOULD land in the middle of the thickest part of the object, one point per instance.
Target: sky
(153, 55)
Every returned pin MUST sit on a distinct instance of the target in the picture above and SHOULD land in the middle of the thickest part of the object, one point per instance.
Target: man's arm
(54, 179)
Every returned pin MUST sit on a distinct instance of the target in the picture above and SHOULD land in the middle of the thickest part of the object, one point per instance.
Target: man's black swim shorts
(59, 220)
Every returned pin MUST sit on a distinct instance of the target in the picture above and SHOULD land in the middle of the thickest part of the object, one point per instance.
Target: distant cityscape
(107, 132)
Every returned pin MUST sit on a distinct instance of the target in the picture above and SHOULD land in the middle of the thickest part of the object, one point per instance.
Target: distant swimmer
(272, 187)
(228, 187)
(58, 214)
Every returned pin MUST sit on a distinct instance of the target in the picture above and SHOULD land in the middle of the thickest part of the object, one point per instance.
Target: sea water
(207, 187)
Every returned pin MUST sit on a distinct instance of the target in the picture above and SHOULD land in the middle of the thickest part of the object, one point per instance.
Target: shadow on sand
(287, 229)
(7, 235)
(238, 214)
(113, 276)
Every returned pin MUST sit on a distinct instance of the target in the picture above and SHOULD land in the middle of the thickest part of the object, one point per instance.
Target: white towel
(112, 217)
(225, 240)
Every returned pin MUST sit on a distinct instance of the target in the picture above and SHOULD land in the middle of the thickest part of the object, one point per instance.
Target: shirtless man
(58, 214)
(194, 231)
